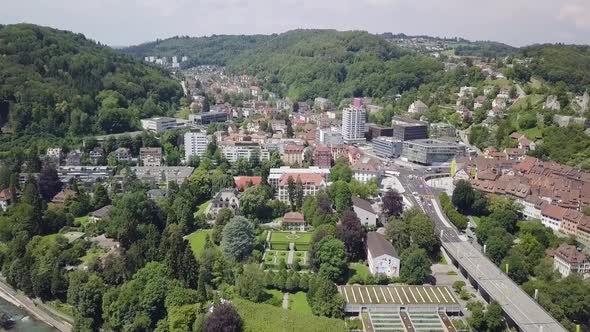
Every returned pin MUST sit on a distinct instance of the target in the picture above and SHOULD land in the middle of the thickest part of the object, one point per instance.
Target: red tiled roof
(570, 254)
(554, 211)
(315, 179)
(5, 195)
(293, 217)
(242, 181)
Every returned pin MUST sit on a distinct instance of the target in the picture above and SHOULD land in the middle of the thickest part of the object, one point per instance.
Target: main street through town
(524, 311)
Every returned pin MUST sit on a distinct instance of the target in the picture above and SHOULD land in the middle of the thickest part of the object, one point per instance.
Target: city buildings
(159, 125)
(195, 144)
(387, 147)
(381, 256)
(151, 157)
(567, 259)
(329, 136)
(408, 129)
(365, 212)
(87, 175)
(312, 183)
(161, 176)
(122, 154)
(375, 130)
(353, 125)
(206, 118)
(322, 156)
(431, 151)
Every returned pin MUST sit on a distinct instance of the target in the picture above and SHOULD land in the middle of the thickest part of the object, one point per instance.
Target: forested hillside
(305, 64)
(214, 50)
(554, 63)
(60, 83)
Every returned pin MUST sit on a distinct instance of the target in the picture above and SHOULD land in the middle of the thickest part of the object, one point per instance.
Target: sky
(130, 22)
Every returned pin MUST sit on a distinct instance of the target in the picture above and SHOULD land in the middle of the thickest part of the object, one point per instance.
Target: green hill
(59, 83)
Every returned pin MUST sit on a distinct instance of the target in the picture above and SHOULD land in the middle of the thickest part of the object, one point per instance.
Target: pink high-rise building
(357, 103)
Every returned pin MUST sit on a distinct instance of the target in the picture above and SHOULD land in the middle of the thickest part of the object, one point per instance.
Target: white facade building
(158, 124)
(275, 174)
(364, 211)
(381, 256)
(240, 150)
(353, 125)
(195, 144)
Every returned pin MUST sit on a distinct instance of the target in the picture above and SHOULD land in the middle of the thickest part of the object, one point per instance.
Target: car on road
(429, 169)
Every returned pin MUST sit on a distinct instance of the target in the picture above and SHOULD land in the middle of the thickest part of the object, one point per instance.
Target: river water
(23, 322)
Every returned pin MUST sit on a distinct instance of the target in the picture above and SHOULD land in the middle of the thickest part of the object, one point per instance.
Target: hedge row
(459, 220)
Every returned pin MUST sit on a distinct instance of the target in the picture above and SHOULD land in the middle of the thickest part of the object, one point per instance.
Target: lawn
(202, 208)
(358, 271)
(522, 102)
(267, 318)
(92, 253)
(80, 221)
(64, 309)
(298, 303)
(281, 240)
(275, 297)
(197, 240)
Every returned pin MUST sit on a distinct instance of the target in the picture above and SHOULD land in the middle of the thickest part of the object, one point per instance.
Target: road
(518, 305)
(27, 304)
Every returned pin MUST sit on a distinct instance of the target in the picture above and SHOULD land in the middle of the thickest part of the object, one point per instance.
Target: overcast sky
(125, 22)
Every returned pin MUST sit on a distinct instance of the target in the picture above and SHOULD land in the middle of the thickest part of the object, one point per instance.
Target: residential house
(226, 198)
(552, 103)
(417, 107)
(365, 212)
(567, 259)
(478, 103)
(499, 103)
(381, 256)
(96, 155)
(5, 199)
(60, 197)
(496, 112)
(367, 169)
(74, 158)
(294, 221)
(123, 154)
(150, 157)
(100, 214)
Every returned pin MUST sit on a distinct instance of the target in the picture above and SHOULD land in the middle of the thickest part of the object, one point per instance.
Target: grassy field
(281, 240)
(202, 208)
(267, 318)
(92, 253)
(298, 303)
(522, 102)
(275, 297)
(358, 271)
(64, 309)
(197, 240)
(499, 83)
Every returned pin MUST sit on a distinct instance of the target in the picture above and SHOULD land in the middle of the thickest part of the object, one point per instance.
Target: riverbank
(24, 303)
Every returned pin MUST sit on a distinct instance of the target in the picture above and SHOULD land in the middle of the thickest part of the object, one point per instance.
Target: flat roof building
(375, 130)
(430, 151)
(408, 129)
(159, 124)
(206, 118)
(387, 147)
(353, 125)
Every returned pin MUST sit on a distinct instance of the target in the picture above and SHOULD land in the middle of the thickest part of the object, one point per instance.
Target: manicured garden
(197, 240)
(281, 240)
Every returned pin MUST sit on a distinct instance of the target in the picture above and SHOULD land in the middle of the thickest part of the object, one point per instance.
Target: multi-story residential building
(329, 136)
(159, 124)
(151, 157)
(408, 129)
(583, 232)
(430, 151)
(195, 144)
(567, 259)
(387, 147)
(367, 169)
(275, 174)
(232, 151)
(206, 118)
(96, 154)
(162, 175)
(54, 153)
(552, 215)
(312, 183)
(353, 125)
(442, 129)
(365, 212)
(292, 154)
(381, 256)
(74, 158)
(323, 104)
(87, 175)
(322, 156)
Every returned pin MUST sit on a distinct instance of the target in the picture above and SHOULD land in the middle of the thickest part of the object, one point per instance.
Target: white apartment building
(275, 174)
(312, 183)
(568, 260)
(158, 124)
(195, 144)
(381, 256)
(232, 151)
(353, 125)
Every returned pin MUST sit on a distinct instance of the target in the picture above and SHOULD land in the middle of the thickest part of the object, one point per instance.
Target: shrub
(459, 220)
